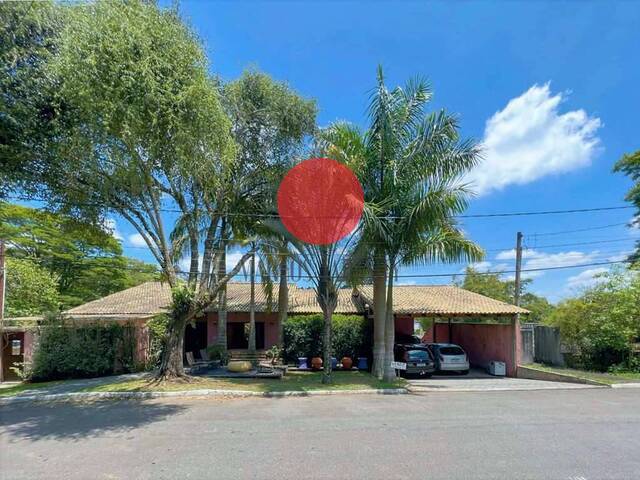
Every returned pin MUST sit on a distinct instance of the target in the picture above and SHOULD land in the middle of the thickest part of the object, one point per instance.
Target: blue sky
(550, 88)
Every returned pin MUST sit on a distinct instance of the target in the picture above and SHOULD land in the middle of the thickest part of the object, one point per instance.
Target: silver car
(450, 357)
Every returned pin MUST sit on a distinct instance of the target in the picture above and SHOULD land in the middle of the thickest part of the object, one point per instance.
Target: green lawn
(609, 378)
(21, 387)
(292, 381)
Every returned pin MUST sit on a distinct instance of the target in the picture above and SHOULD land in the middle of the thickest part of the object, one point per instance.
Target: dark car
(418, 359)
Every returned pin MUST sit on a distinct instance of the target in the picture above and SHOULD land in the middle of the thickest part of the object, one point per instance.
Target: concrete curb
(427, 390)
(532, 373)
(192, 393)
(626, 385)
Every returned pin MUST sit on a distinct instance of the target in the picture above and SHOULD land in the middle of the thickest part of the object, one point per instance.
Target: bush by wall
(157, 338)
(303, 336)
(66, 350)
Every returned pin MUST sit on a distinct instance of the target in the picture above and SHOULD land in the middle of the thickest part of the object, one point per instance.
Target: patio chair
(195, 365)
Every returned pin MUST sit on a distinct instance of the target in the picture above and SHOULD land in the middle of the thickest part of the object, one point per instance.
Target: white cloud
(111, 226)
(534, 259)
(232, 260)
(530, 139)
(585, 279)
(137, 240)
(562, 259)
(618, 257)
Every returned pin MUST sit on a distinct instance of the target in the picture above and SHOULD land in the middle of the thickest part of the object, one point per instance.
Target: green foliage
(274, 354)
(157, 339)
(28, 118)
(630, 166)
(30, 289)
(303, 336)
(217, 352)
(492, 286)
(351, 336)
(85, 260)
(67, 350)
(603, 323)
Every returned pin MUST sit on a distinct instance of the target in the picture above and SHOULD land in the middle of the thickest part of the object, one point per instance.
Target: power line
(427, 275)
(588, 229)
(478, 215)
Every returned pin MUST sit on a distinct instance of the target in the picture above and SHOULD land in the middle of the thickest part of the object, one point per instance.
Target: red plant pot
(316, 363)
(347, 363)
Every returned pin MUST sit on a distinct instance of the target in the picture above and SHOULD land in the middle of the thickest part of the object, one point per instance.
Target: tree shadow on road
(76, 421)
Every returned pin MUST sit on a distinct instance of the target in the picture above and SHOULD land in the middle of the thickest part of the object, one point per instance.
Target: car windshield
(418, 355)
(451, 351)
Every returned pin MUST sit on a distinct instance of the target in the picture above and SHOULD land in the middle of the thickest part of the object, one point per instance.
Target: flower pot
(316, 363)
(362, 363)
(302, 363)
(347, 363)
(239, 366)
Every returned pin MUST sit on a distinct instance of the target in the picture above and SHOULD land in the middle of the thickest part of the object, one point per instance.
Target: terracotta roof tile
(443, 300)
(152, 298)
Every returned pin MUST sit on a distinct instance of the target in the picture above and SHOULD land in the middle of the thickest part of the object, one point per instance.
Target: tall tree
(270, 123)
(85, 260)
(412, 163)
(30, 289)
(630, 166)
(150, 135)
(28, 119)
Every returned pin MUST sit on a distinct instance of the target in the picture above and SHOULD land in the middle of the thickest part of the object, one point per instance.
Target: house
(459, 316)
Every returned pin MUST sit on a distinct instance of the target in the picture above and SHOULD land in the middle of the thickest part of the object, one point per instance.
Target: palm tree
(410, 164)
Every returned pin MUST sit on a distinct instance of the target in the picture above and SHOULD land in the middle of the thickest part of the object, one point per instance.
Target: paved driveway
(562, 434)
(480, 381)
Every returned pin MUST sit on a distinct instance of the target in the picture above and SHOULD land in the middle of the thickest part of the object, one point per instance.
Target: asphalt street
(559, 434)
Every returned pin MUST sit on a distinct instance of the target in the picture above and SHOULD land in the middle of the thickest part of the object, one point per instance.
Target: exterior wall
(270, 325)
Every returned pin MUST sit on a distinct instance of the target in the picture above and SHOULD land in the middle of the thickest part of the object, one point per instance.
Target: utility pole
(3, 284)
(516, 298)
(518, 268)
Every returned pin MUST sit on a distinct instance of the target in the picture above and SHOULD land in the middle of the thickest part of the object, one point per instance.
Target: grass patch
(292, 381)
(608, 378)
(22, 387)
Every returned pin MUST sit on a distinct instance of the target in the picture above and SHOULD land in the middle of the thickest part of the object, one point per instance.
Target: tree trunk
(222, 299)
(252, 305)
(389, 374)
(379, 312)
(171, 365)
(326, 344)
(283, 300)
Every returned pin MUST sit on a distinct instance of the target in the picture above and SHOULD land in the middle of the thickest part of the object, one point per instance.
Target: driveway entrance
(479, 381)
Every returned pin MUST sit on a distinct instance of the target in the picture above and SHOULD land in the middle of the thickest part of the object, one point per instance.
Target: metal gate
(527, 333)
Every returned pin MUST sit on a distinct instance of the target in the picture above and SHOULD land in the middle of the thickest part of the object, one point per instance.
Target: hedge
(65, 350)
(303, 336)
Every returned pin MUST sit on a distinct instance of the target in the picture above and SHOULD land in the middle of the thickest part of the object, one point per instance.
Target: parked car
(450, 357)
(418, 358)
(404, 339)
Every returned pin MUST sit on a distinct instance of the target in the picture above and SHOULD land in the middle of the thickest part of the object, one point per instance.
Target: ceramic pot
(347, 363)
(238, 366)
(316, 363)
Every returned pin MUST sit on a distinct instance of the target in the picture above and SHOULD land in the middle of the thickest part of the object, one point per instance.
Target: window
(451, 351)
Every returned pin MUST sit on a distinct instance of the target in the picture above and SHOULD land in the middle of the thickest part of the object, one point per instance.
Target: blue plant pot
(362, 363)
(334, 363)
(302, 362)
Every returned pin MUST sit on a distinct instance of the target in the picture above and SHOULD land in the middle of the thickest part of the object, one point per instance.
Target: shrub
(303, 336)
(66, 350)
(216, 352)
(602, 324)
(157, 338)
